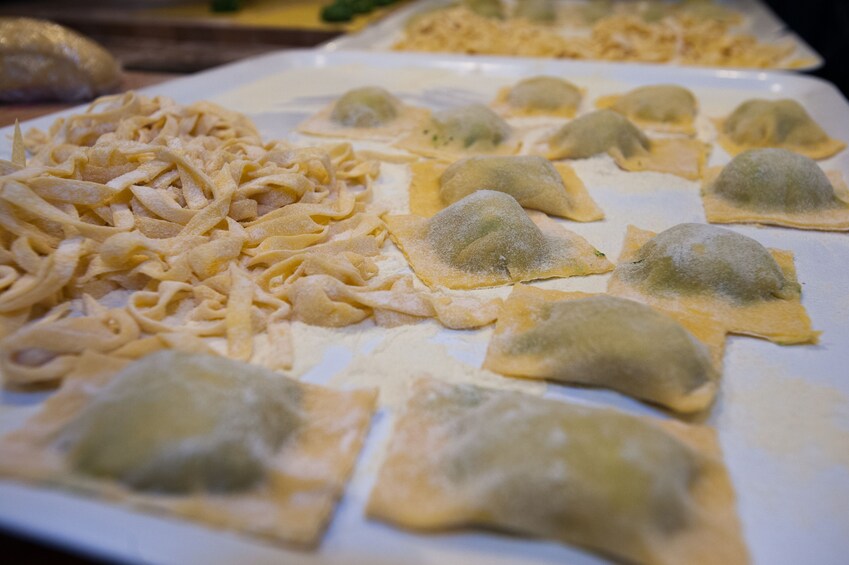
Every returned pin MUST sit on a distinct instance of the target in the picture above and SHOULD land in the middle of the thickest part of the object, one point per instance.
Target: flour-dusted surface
(782, 413)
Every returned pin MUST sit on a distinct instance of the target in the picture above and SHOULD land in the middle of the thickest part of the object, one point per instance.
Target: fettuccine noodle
(142, 224)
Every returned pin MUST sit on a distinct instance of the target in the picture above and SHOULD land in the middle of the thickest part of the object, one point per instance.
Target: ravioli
(609, 342)
(369, 112)
(775, 123)
(539, 96)
(462, 131)
(606, 131)
(222, 442)
(486, 8)
(715, 272)
(487, 239)
(779, 187)
(661, 107)
(637, 489)
(533, 181)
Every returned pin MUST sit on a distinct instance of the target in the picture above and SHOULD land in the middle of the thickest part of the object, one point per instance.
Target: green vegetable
(337, 13)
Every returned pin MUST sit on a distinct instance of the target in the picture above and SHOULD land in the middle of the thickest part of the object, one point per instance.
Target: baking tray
(782, 412)
(762, 23)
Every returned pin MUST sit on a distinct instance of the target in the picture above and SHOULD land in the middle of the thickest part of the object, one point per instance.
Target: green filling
(525, 178)
(486, 232)
(775, 179)
(658, 103)
(467, 126)
(177, 423)
(544, 93)
(366, 107)
(596, 133)
(779, 122)
(702, 259)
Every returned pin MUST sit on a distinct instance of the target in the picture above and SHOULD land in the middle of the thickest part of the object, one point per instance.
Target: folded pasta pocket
(369, 112)
(715, 272)
(660, 107)
(775, 123)
(637, 489)
(218, 441)
(779, 187)
(600, 340)
(606, 131)
(533, 181)
(462, 131)
(539, 96)
(487, 239)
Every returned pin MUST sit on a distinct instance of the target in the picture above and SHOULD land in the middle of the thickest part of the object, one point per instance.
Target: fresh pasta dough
(539, 96)
(776, 186)
(207, 438)
(718, 273)
(606, 131)
(487, 239)
(533, 181)
(605, 341)
(661, 107)
(464, 130)
(775, 123)
(633, 488)
(486, 8)
(41, 60)
(369, 112)
(540, 11)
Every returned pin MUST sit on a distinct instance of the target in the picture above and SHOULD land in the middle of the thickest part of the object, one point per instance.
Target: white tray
(762, 23)
(782, 413)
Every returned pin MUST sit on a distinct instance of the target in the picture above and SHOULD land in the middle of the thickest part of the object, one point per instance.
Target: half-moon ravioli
(661, 107)
(779, 187)
(539, 96)
(775, 123)
(204, 437)
(611, 342)
(533, 181)
(606, 131)
(634, 488)
(715, 272)
(465, 130)
(487, 239)
(369, 112)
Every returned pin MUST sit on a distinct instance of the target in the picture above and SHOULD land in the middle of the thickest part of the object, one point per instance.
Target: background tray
(763, 24)
(782, 412)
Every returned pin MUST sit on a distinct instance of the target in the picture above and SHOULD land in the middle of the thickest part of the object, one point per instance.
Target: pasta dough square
(539, 96)
(634, 488)
(291, 501)
(663, 107)
(775, 123)
(404, 118)
(606, 131)
(486, 239)
(574, 202)
(720, 210)
(780, 320)
(672, 359)
(460, 132)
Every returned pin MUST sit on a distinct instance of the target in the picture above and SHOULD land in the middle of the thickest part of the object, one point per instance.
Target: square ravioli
(460, 132)
(634, 488)
(369, 112)
(784, 124)
(777, 187)
(714, 272)
(202, 437)
(533, 181)
(539, 96)
(661, 107)
(606, 131)
(487, 239)
(670, 359)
